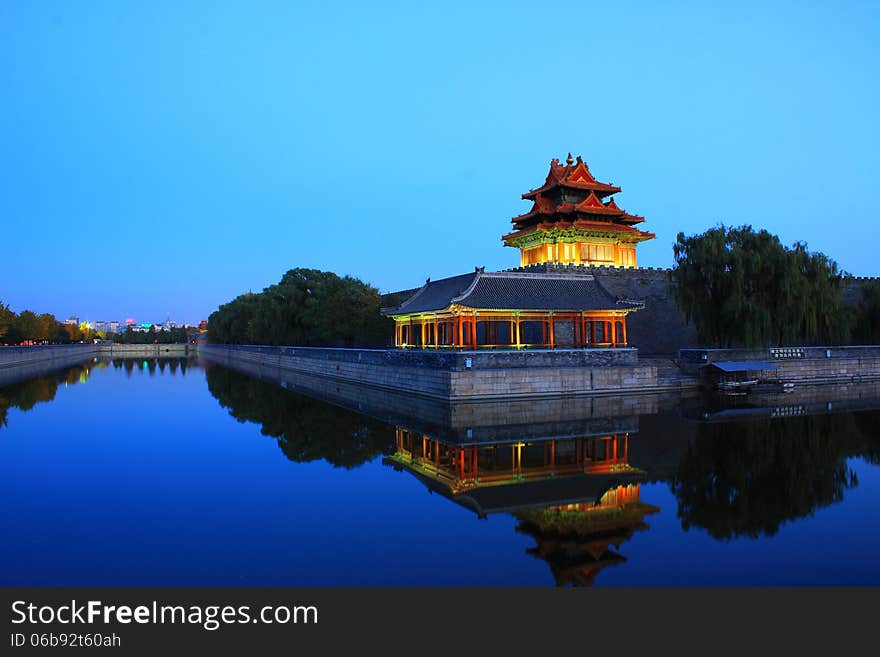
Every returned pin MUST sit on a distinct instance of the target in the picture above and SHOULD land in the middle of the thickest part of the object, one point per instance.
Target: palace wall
(805, 365)
(661, 328)
(145, 350)
(459, 375)
(19, 363)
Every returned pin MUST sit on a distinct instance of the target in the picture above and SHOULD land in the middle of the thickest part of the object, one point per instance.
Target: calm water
(170, 473)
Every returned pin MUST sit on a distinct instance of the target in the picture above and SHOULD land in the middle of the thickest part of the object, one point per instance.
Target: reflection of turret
(576, 539)
(577, 497)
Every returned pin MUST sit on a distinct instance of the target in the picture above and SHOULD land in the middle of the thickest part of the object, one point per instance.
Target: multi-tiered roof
(571, 197)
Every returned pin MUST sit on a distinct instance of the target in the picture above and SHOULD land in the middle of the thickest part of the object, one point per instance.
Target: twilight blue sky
(164, 157)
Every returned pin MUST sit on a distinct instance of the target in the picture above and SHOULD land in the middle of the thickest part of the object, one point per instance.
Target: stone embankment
(459, 375)
(800, 365)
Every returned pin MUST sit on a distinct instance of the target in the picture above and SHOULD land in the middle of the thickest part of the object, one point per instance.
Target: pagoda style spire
(569, 222)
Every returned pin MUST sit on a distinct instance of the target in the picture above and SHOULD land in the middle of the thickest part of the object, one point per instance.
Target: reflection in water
(748, 478)
(737, 473)
(576, 478)
(576, 539)
(151, 364)
(26, 394)
(306, 429)
(577, 497)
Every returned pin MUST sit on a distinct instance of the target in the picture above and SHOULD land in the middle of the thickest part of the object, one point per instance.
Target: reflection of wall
(20, 363)
(473, 421)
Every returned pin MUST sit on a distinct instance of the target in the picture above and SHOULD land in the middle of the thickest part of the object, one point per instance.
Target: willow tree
(744, 287)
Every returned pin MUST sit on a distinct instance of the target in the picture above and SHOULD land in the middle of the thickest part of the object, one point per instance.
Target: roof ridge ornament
(570, 160)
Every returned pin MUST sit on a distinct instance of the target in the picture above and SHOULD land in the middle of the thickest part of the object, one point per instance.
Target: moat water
(170, 472)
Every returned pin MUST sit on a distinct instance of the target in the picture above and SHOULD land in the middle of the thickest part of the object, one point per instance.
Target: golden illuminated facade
(542, 304)
(571, 222)
(512, 310)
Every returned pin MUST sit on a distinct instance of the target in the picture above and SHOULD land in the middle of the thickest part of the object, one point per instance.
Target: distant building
(72, 321)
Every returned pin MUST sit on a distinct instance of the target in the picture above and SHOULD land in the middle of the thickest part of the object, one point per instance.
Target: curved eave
(604, 188)
(561, 212)
(622, 308)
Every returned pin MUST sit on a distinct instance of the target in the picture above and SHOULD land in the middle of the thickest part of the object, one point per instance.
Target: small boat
(741, 385)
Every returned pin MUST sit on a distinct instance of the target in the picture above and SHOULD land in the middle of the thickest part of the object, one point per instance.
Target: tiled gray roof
(512, 291)
(434, 295)
(509, 290)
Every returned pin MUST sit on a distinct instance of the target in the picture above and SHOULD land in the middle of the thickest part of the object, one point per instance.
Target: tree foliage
(306, 429)
(866, 326)
(744, 287)
(750, 478)
(306, 307)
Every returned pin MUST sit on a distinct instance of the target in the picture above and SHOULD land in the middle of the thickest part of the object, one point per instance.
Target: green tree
(48, 327)
(27, 326)
(306, 307)
(7, 319)
(866, 328)
(744, 287)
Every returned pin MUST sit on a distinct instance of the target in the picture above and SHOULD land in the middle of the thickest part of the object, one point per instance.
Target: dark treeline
(152, 335)
(306, 307)
(28, 326)
(741, 287)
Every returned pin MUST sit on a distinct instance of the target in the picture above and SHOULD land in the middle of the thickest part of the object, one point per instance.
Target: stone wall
(661, 328)
(145, 350)
(799, 364)
(457, 375)
(20, 363)
(65, 354)
(472, 421)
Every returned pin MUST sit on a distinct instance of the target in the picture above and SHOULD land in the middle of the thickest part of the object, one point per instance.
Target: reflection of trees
(749, 478)
(27, 394)
(306, 429)
(150, 364)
